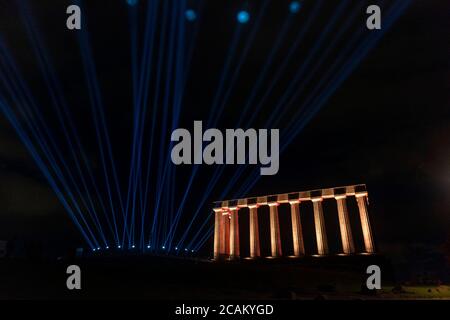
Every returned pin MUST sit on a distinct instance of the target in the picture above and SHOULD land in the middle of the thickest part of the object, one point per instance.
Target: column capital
(361, 194)
(252, 206)
(273, 204)
(341, 196)
(233, 208)
(217, 210)
(294, 201)
(319, 199)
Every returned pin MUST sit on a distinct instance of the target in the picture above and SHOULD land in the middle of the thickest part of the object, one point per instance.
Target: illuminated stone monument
(226, 231)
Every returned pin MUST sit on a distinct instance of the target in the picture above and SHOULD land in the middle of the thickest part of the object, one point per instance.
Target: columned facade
(226, 219)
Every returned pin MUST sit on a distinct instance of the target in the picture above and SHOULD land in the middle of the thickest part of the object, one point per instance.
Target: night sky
(387, 125)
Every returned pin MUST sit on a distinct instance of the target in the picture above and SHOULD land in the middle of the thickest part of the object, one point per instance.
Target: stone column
(275, 239)
(348, 246)
(255, 250)
(223, 231)
(226, 234)
(217, 233)
(297, 234)
(234, 233)
(365, 223)
(319, 223)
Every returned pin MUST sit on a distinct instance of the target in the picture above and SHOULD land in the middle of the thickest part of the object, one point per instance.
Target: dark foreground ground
(148, 277)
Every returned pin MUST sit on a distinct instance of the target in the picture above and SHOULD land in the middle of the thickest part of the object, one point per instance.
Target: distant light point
(132, 2)
(190, 15)
(295, 6)
(243, 16)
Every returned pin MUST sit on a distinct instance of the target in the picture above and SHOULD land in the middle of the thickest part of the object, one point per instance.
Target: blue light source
(98, 248)
(94, 249)
(107, 247)
(295, 6)
(185, 249)
(148, 247)
(132, 2)
(164, 247)
(243, 16)
(133, 246)
(119, 246)
(190, 15)
(176, 248)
